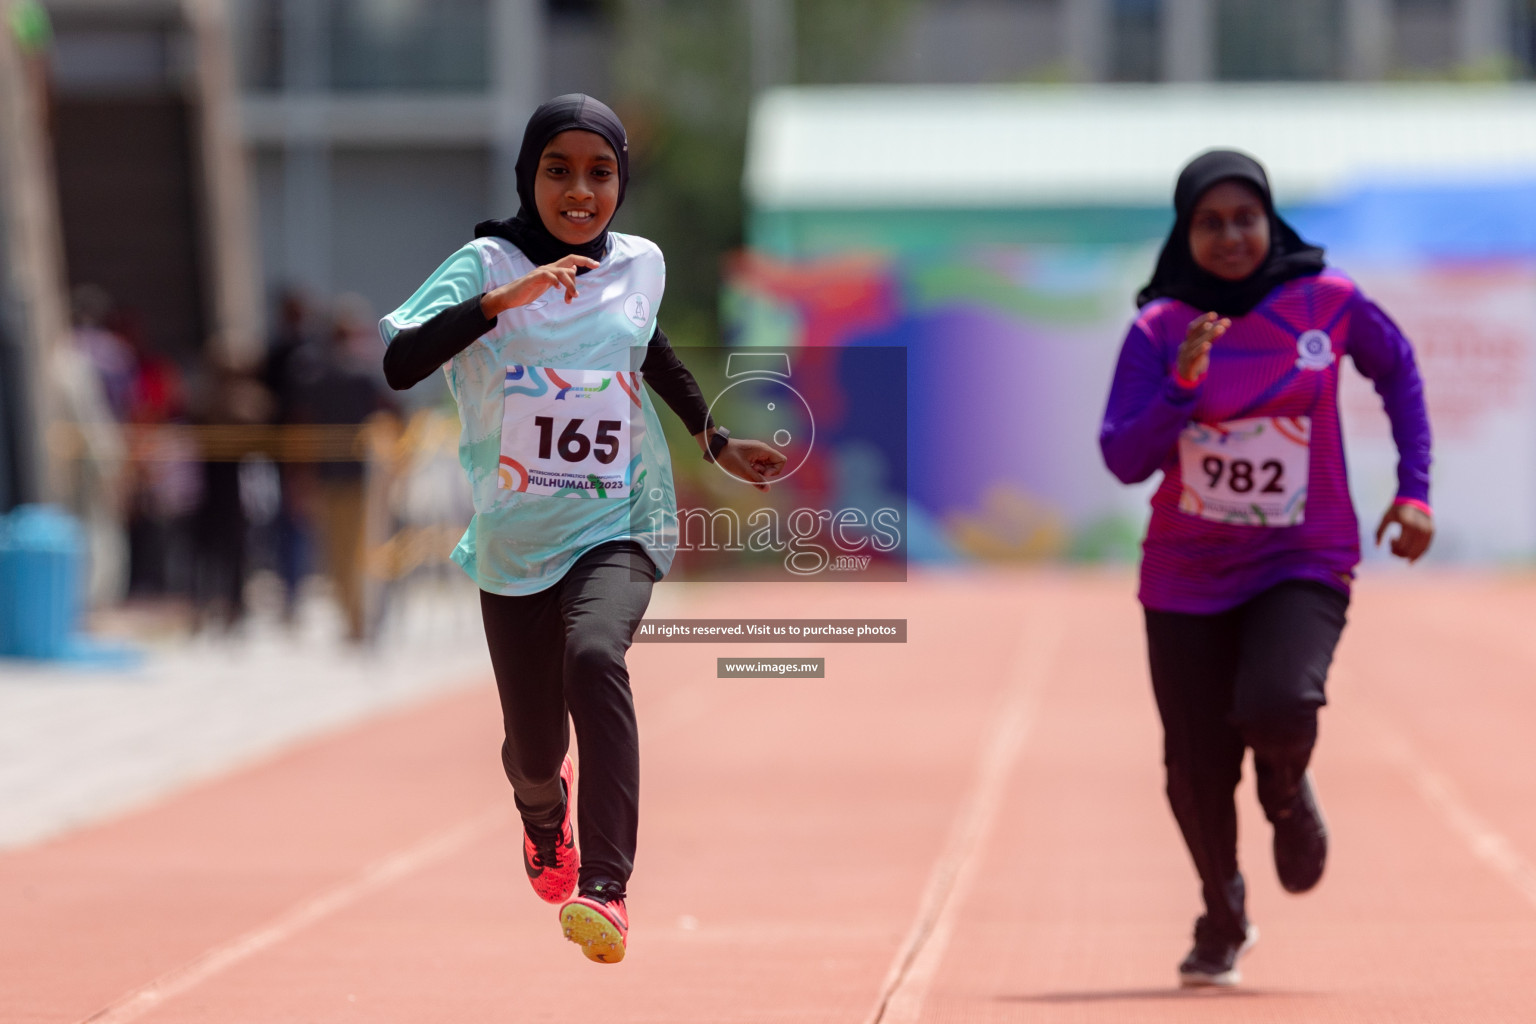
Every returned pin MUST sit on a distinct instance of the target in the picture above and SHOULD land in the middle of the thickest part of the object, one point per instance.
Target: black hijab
(526, 230)
(1178, 276)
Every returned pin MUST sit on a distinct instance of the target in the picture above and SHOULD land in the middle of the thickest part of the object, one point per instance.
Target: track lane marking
(678, 706)
(379, 875)
(917, 961)
(1487, 843)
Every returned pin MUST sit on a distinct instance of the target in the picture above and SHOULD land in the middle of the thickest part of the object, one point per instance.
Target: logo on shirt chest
(638, 308)
(1314, 350)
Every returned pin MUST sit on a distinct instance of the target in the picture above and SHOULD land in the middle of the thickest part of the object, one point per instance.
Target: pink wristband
(1184, 383)
(1416, 503)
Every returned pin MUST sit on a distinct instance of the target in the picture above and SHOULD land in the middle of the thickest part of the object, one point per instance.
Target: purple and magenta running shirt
(1273, 386)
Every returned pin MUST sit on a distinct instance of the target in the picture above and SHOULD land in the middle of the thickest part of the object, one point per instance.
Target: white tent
(980, 147)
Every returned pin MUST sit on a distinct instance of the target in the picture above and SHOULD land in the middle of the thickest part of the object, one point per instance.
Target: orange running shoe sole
(599, 938)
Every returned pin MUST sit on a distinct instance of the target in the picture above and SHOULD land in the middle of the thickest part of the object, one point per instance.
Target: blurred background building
(204, 198)
(356, 107)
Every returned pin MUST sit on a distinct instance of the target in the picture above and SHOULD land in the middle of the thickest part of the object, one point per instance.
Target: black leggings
(562, 650)
(1252, 676)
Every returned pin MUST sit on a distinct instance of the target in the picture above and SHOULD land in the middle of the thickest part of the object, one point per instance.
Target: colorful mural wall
(1010, 346)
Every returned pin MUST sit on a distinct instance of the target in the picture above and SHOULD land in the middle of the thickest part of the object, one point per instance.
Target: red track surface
(969, 827)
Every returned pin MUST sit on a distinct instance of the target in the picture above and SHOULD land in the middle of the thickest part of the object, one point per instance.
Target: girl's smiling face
(576, 187)
(1229, 231)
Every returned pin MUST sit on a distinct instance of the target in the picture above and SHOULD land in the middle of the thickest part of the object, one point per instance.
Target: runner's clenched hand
(1195, 352)
(1417, 530)
(752, 461)
(742, 457)
(528, 288)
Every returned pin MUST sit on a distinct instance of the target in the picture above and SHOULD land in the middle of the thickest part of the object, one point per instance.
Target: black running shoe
(1213, 961)
(1301, 840)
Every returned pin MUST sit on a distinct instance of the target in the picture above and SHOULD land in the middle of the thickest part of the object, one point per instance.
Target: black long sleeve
(670, 379)
(417, 352)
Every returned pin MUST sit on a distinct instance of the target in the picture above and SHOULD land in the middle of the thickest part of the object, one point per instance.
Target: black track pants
(1252, 676)
(562, 650)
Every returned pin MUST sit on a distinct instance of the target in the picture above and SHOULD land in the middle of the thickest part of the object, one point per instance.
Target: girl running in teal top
(537, 323)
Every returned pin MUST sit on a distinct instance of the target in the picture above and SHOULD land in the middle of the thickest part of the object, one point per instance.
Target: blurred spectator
(294, 354)
(107, 351)
(167, 477)
(157, 393)
(349, 389)
(293, 362)
(92, 444)
(231, 396)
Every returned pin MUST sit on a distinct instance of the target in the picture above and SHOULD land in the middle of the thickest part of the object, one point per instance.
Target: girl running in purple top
(1228, 383)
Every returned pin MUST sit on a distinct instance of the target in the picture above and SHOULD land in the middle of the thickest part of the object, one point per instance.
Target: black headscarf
(1178, 276)
(526, 230)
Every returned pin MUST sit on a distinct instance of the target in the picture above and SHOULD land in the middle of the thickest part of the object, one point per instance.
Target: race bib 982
(567, 432)
(1249, 472)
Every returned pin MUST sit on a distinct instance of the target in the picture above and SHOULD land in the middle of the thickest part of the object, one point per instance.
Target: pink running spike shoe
(552, 863)
(598, 922)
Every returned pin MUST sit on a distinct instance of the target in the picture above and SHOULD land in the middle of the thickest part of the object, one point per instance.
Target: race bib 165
(567, 432)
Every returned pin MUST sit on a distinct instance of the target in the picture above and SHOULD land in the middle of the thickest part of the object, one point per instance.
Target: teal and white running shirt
(559, 437)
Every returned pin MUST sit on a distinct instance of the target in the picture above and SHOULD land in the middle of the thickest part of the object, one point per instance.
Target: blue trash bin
(41, 566)
(6, 598)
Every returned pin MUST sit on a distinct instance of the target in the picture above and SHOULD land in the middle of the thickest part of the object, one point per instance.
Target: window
(1261, 40)
(1135, 50)
(362, 45)
(435, 45)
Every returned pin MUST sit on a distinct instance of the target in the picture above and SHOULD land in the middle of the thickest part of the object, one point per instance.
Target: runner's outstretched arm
(670, 379)
(749, 460)
(1382, 353)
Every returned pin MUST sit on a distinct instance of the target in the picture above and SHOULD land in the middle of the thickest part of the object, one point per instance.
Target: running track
(967, 828)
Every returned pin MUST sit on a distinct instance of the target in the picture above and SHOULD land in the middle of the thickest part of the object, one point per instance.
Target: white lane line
(1487, 843)
(377, 876)
(678, 708)
(917, 961)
